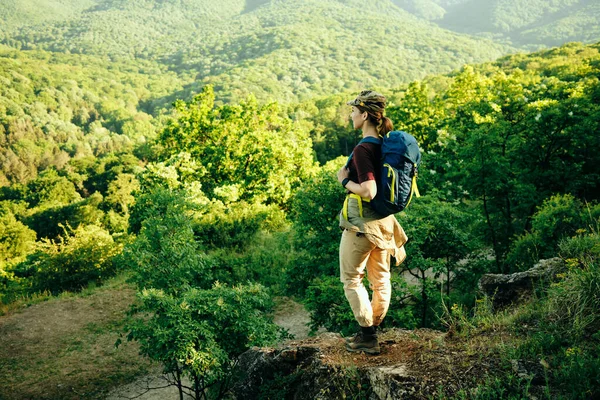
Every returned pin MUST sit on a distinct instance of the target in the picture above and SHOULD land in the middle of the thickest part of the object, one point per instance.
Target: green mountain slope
(56, 107)
(527, 23)
(14, 13)
(284, 50)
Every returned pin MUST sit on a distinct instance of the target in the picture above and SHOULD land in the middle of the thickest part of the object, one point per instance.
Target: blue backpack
(400, 160)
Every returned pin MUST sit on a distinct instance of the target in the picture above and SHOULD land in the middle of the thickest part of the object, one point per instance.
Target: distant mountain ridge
(287, 50)
(282, 50)
(525, 23)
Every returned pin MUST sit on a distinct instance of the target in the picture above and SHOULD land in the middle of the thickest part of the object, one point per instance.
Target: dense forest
(227, 203)
(269, 49)
(192, 149)
(519, 22)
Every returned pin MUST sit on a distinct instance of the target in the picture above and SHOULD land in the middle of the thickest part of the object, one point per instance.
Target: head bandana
(369, 100)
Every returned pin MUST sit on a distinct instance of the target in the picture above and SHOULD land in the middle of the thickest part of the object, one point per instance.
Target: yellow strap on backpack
(413, 189)
(360, 207)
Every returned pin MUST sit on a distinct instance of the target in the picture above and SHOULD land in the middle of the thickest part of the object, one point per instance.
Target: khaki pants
(357, 253)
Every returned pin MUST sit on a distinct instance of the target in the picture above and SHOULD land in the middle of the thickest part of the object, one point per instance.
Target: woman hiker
(368, 239)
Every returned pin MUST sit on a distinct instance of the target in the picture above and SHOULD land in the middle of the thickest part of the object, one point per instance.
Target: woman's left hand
(342, 174)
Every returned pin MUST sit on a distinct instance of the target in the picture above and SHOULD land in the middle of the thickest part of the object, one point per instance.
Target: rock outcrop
(412, 365)
(513, 288)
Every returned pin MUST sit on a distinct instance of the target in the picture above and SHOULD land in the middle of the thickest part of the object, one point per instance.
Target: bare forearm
(367, 189)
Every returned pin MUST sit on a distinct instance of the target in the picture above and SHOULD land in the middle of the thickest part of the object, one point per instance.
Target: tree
(438, 239)
(194, 326)
(77, 257)
(247, 148)
(315, 215)
(16, 239)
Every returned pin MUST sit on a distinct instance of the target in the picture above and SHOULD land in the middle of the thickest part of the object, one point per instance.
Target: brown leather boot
(365, 341)
(351, 339)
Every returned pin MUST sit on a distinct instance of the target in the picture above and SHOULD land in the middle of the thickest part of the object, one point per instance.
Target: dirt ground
(429, 357)
(64, 348)
(292, 316)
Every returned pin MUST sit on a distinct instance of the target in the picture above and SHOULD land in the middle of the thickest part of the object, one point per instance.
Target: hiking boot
(351, 339)
(365, 341)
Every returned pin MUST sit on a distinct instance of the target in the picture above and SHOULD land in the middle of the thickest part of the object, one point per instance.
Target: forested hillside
(519, 22)
(293, 50)
(55, 107)
(269, 49)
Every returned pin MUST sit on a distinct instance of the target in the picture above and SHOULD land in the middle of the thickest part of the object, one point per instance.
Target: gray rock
(511, 288)
(299, 373)
(391, 382)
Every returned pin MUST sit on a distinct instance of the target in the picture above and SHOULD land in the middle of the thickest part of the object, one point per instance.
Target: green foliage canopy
(243, 152)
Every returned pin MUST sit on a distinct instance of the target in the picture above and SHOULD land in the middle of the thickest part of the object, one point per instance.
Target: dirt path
(292, 316)
(64, 348)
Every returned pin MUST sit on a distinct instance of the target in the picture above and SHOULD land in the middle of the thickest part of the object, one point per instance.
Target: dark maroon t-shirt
(364, 163)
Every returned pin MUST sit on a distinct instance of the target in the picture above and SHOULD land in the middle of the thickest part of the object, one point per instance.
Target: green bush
(263, 260)
(315, 209)
(563, 325)
(574, 302)
(16, 239)
(154, 203)
(328, 307)
(559, 217)
(439, 238)
(70, 262)
(165, 254)
(48, 222)
(194, 326)
(234, 225)
(584, 248)
(198, 333)
(403, 311)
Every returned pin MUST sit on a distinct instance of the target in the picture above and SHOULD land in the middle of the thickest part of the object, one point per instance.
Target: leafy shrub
(199, 332)
(439, 237)
(70, 262)
(263, 260)
(328, 307)
(165, 254)
(560, 216)
(184, 320)
(47, 222)
(564, 324)
(155, 203)
(524, 252)
(403, 311)
(574, 302)
(16, 239)
(315, 209)
(234, 225)
(584, 248)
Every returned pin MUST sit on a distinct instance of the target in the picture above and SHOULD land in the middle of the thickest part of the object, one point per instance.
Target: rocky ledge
(514, 288)
(412, 365)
